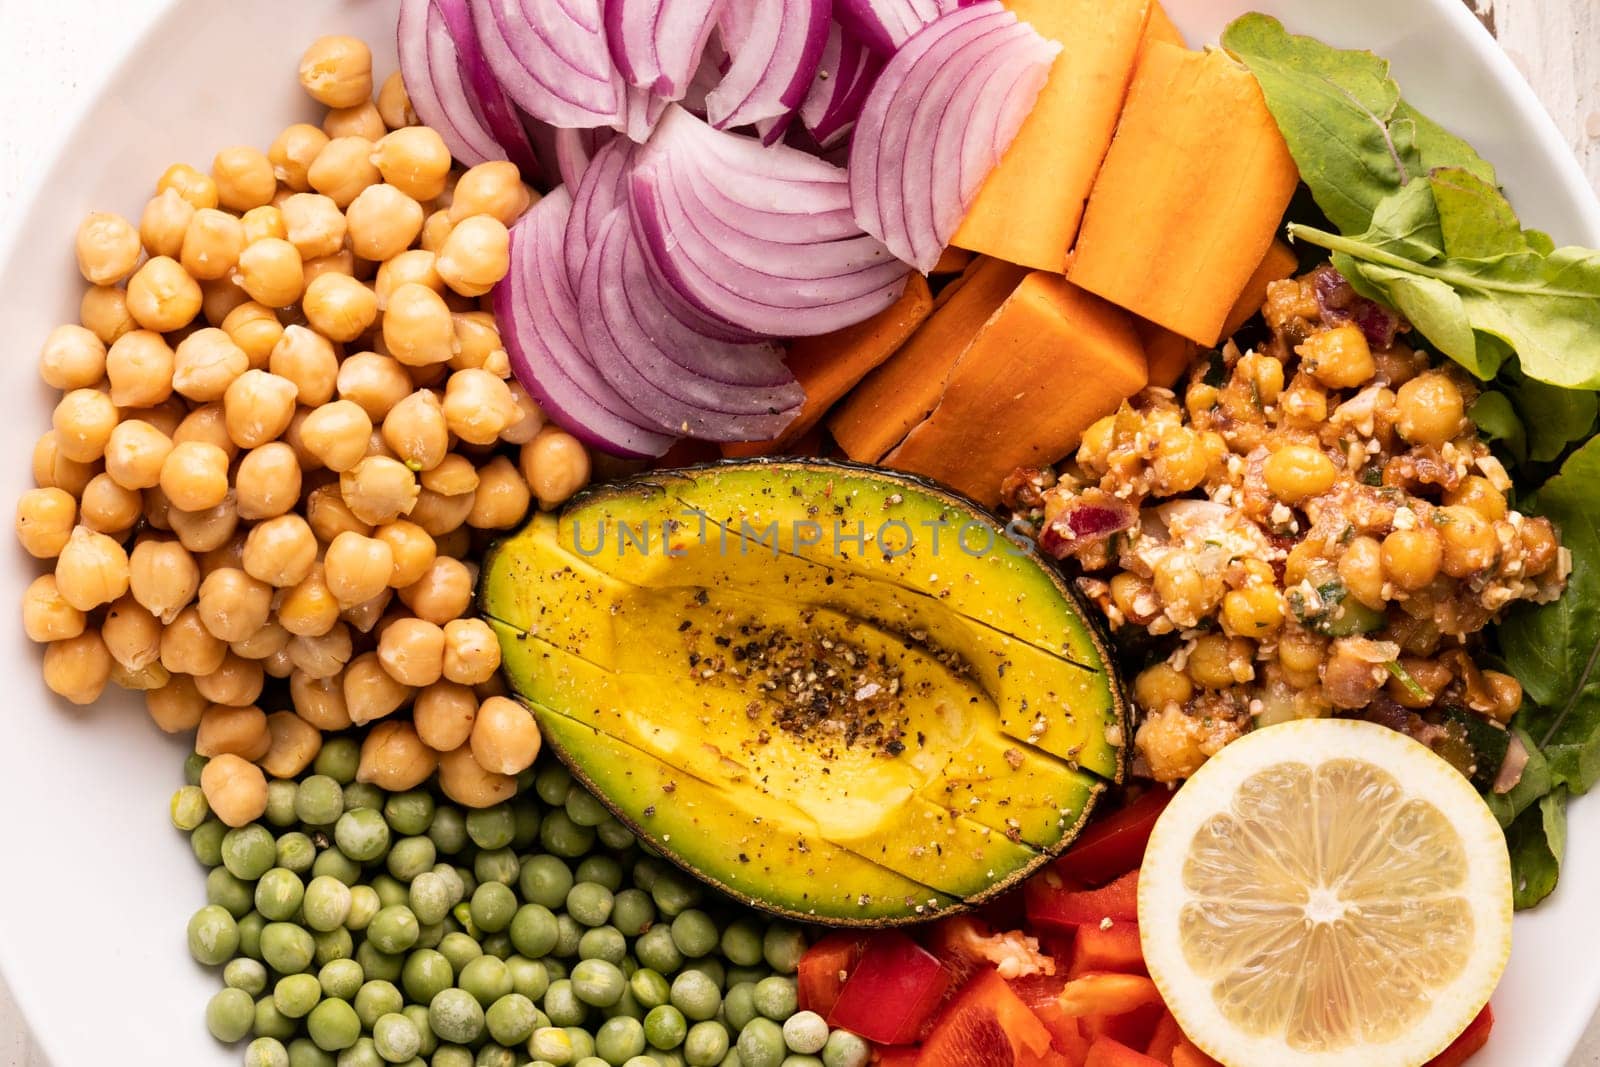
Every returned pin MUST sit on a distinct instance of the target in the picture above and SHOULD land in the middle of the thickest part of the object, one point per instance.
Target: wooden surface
(44, 47)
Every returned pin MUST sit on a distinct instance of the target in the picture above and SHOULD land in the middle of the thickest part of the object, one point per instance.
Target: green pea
(384, 966)
(213, 936)
(739, 1006)
(425, 974)
(562, 1004)
(364, 796)
(534, 930)
(603, 943)
(556, 969)
(336, 944)
(526, 815)
(712, 968)
(326, 903)
(341, 979)
(614, 835)
(619, 1039)
(553, 783)
(376, 999)
(364, 904)
(591, 1061)
(598, 982)
(189, 808)
(590, 903)
(418, 1014)
(805, 1032)
(632, 912)
(287, 948)
(429, 897)
(761, 1044)
(646, 871)
(266, 1052)
(409, 813)
(295, 995)
(245, 974)
(782, 947)
(545, 880)
(468, 880)
(396, 1038)
(391, 891)
(627, 1004)
(228, 892)
(568, 936)
(665, 1027)
(333, 1025)
(583, 809)
(734, 975)
(361, 1054)
(499, 945)
(230, 1014)
(656, 950)
(280, 803)
(270, 1022)
(410, 857)
(776, 998)
(448, 830)
(552, 1045)
(394, 929)
(456, 1016)
(452, 1056)
(496, 865)
(303, 1052)
(673, 893)
(649, 988)
(338, 759)
(706, 1044)
(278, 894)
(845, 1049)
(582, 1042)
(510, 1019)
(193, 765)
(320, 800)
(493, 907)
(741, 942)
(694, 933)
(645, 1060)
(696, 996)
(250, 928)
(362, 834)
(798, 1060)
(492, 827)
(452, 881)
(460, 949)
(296, 852)
(332, 863)
(528, 977)
(249, 851)
(206, 842)
(563, 837)
(487, 978)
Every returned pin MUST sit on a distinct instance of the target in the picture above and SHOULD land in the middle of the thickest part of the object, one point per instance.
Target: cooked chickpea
(444, 714)
(337, 434)
(1506, 693)
(412, 651)
(211, 244)
(162, 296)
(244, 178)
(228, 554)
(258, 406)
(475, 256)
(443, 593)
(1425, 680)
(468, 784)
(414, 267)
(1412, 558)
(505, 737)
(435, 228)
(417, 327)
(206, 363)
(442, 516)
(494, 189)
(267, 641)
(187, 647)
(52, 470)
(319, 701)
(394, 104)
(255, 329)
(343, 169)
(218, 298)
(314, 224)
(359, 120)
(502, 497)
(1217, 662)
(140, 367)
(46, 615)
(556, 465)
(413, 549)
(195, 476)
(337, 71)
(1361, 570)
(1253, 611)
(72, 358)
(471, 651)
(415, 161)
(377, 383)
(309, 608)
(394, 758)
(235, 790)
(262, 222)
(378, 489)
(164, 223)
(324, 655)
(1468, 541)
(369, 692)
(310, 361)
(454, 476)
(1339, 358)
(103, 311)
(203, 531)
(107, 248)
(1298, 472)
(196, 188)
(206, 425)
(330, 516)
(478, 406)
(293, 152)
(1431, 409)
(339, 307)
(477, 338)
(357, 568)
(530, 421)
(163, 577)
(272, 272)
(109, 508)
(1479, 494)
(92, 569)
(45, 519)
(294, 744)
(342, 262)
(78, 668)
(383, 222)
(233, 605)
(267, 482)
(176, 705)
(237, 682)
(416, 431)
(83, 420)
(363, 617)
(1180, 463)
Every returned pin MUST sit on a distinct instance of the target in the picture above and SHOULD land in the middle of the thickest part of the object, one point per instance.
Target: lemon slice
(1325, 892)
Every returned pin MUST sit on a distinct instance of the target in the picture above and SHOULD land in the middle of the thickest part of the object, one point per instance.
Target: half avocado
(839, 693)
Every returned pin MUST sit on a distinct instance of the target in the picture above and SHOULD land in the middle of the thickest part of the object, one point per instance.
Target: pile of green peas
(358, 928)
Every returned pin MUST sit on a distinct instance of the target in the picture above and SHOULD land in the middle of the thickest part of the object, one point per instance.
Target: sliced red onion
(684, 383)
(775, 46)
(431, 69)
(551, 58)
(657, 44)
(575, 148)
(540, 325)
(885, 25)
(603, 188)
(499, 113)
(845, 76)
(761, 238)
(941, 115)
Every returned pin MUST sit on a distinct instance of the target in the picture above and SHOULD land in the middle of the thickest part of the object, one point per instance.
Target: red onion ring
(775, 46)
(551, 58)
(499, 113)
(657, 44)
(604, 186)
(845, 76)
(885, 25)
(431, 68)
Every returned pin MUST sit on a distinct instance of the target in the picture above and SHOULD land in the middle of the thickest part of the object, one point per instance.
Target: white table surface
(50, 54)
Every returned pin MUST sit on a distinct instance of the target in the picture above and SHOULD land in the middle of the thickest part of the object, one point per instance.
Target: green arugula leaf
(1537, 841)
(1555, 417)
(1497, 420)
(1355, 140)
(1534, 783)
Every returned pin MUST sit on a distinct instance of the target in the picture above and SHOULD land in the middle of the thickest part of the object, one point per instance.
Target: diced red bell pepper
(896, 1056)
(1473, 1038)
(1107, 948)
(824, 968)
(1052, 906)
(1114, 845)
(955, 942)
(893, 990)
(1185, 1054)
(986, 1025)
(1107, 994)
(1042, 994)
(1134, 1029)
(1165, 1039)
(1108, 1053)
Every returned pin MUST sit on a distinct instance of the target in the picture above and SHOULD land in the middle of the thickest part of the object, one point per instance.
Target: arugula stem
(1455, 279)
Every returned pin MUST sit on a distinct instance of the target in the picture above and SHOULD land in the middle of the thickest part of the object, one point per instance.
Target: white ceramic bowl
(96, 886)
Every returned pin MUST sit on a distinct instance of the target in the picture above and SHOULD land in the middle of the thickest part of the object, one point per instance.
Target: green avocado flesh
(839, 722)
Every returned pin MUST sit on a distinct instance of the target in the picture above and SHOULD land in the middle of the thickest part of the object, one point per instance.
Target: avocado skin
(587, 738)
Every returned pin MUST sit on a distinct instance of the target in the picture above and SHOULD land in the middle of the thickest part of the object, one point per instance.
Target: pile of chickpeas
(287, 428)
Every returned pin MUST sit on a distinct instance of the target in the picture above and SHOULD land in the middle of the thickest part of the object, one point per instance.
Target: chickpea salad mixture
(448, 471)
